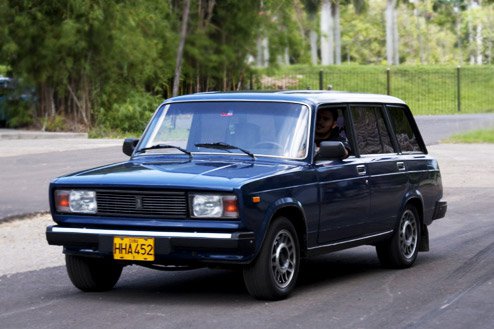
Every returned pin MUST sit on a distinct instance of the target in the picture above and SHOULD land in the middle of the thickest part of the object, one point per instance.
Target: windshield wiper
(164, 146)
(224, 146)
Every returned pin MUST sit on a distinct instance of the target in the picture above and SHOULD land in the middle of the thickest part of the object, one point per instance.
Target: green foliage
(19, 113)
(55, 123)
(363, 40)
(126, 116)
(478, 136)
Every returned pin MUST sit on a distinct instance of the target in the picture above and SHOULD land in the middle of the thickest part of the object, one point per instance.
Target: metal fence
(426, 90)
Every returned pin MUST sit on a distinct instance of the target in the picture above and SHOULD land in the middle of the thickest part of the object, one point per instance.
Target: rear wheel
(91, 274)
(401, 250)
(273, 274)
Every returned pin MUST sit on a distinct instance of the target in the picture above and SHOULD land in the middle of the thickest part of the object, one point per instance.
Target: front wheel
(401, 250)
(91, 274)
(272, 276)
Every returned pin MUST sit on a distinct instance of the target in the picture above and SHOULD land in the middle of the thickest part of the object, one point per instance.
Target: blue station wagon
(239, 180)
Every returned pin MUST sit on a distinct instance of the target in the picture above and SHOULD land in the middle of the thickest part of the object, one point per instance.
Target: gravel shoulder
(24, 247)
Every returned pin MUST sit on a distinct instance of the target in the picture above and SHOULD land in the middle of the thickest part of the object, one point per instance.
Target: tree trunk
(479, 42)
(458, 35)
(181, 44)
(396, 37)
(262, 51)
(327, 34)
(470, 40)
(392, 40)
(335, 12)
(313, 47)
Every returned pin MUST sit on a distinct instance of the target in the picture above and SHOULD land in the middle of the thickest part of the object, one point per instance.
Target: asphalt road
(24, 179)
(27, 166)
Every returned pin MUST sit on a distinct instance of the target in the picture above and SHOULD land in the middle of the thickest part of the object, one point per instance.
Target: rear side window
(372, 136)
(404, 133)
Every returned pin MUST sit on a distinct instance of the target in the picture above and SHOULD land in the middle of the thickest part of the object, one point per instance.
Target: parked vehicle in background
(6, 86)
(235, 179)
(16, 103)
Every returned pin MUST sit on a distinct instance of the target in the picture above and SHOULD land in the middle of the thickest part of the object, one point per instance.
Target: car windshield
(260, 128)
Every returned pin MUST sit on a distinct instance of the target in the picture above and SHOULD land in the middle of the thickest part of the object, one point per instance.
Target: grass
(477, 136)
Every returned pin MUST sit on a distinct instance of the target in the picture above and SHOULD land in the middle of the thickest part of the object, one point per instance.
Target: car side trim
(143, 233)
(336, 244)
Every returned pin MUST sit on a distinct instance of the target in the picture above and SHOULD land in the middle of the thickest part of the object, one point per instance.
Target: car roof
(314, 97)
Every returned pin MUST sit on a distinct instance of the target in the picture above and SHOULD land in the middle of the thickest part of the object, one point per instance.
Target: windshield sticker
(227, 114)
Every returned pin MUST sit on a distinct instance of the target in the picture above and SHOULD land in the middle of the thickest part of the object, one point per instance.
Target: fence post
(388, 81)
(458, 88)
(321, 80)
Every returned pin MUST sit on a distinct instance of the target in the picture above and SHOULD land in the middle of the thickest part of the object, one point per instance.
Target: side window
(403, 130)
(331, 125)
(370, 130)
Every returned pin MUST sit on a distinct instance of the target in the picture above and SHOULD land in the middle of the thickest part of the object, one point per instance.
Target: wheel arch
(296, 216)
(415, 199)
(417, 202)
(294, 212)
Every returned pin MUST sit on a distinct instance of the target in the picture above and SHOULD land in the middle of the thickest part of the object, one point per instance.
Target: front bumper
(170, 247)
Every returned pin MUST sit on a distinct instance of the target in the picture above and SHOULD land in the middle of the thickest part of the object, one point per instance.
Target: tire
(401, 250)
(273, 274)
(90, 274)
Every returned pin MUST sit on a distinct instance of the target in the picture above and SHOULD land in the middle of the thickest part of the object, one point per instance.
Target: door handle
(361, 170)
(401, 166)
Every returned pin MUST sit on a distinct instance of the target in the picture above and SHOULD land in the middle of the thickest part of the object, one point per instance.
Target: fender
(274, 208)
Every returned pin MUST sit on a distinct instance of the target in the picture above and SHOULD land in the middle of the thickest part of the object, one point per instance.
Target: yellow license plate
(127, 248)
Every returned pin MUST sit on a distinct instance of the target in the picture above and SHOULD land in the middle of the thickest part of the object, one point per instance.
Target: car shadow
(202, 286)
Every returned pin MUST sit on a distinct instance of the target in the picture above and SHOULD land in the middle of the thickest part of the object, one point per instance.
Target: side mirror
(331, 151)
(129, 145)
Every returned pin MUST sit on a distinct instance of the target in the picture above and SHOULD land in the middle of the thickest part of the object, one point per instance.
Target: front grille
(142, 204)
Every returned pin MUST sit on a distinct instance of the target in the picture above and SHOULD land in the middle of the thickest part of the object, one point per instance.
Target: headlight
(214, 206)
(76, 201)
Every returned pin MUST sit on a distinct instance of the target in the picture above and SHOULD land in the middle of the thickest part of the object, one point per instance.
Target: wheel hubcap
(408, 234)
(283, 258)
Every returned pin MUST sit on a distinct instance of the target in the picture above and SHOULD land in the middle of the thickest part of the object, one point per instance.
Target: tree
(84, 54)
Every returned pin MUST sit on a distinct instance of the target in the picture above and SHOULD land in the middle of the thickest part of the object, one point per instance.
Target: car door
(386, 169)
(343, 193)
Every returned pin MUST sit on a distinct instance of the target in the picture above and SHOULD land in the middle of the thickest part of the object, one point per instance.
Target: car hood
(193, 174)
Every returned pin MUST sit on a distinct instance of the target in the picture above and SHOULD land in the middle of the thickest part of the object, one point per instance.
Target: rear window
(405, 135)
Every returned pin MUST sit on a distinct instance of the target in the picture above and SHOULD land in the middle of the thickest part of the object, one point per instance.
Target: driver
(327, 130)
